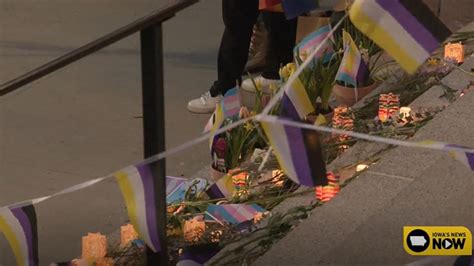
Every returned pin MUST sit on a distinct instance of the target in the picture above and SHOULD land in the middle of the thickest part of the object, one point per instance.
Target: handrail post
(154, 127)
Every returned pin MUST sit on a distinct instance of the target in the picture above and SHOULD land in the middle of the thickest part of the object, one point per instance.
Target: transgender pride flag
(353, 69)
(18, 225)
(231, 103)
(233, 213)
(311, 42)
(138, 190)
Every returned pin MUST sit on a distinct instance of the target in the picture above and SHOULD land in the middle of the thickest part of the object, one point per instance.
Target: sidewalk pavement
(83, 121)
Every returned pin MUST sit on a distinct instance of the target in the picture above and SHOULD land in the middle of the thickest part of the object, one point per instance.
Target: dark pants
(282, 35)
(239, 18)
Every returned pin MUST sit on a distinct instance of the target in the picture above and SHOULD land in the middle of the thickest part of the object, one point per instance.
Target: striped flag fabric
(466, 158)
(223, 188)
(172, 183)
(353, 70)
(197, 255)
(294, 8)
(231, 103)
(405, 29)
(303, 49)
(295, 101)
(234, 214)
(137, 186)
(217, 121)
(19, 226)
(298, 152)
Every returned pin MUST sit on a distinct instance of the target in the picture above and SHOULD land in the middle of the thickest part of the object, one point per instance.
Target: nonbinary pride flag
(217, 121)
(353, 69)
(406, 29)
(299, 153)
(295, 101)
(138, 190)
(19, 227)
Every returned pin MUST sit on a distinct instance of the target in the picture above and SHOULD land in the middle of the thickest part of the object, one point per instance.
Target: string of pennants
(393, 24)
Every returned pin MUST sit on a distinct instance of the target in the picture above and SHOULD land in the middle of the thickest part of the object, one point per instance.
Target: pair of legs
(239, 18)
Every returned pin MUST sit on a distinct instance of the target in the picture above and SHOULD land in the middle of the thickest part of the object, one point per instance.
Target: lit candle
(194, 229)
(405, 112)
(127, 235)
(361, 167)
(454, 51)
(94, 246)
(388, 106)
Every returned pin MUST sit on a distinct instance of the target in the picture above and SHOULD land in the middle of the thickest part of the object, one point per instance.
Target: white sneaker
(260, 81)
(204, 104)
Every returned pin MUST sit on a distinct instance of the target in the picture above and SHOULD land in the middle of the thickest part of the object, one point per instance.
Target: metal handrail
(151, 51)
(153, 18)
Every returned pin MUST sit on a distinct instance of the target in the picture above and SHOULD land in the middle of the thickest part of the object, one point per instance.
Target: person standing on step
(239, 18)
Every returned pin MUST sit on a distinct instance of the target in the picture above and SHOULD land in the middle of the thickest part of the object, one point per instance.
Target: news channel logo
(437, 240)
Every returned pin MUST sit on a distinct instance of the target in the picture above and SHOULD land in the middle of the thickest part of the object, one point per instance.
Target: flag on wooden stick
(353, 70)
(406, 29)
(299, 153)
(19, 226)
(138, 190)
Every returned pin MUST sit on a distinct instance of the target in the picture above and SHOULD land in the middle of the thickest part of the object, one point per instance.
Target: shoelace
(205, 97)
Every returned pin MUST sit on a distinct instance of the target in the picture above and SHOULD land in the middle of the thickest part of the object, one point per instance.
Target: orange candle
(94, 246)
(454, 51)
(127, 235)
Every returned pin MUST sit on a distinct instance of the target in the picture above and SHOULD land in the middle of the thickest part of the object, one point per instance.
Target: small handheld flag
(310, 42)
(234, 213)
(353, 70)
(230, 107)
(231, 103)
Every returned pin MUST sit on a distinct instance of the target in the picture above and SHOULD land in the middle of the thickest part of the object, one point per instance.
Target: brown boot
(257, 50)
